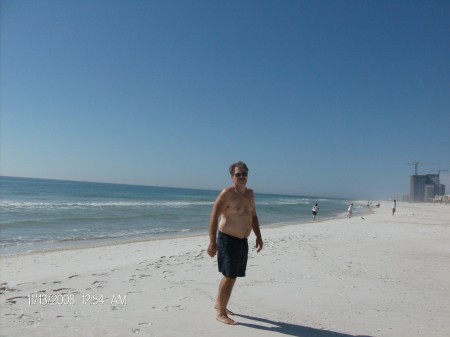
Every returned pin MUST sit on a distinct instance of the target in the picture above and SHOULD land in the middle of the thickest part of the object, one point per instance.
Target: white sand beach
(380, 275)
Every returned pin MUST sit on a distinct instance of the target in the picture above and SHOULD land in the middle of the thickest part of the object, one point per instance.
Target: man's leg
(225, 288)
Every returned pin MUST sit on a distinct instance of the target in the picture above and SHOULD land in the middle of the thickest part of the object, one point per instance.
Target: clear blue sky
(320, 98)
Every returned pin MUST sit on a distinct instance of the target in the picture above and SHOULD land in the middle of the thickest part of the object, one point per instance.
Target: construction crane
(439, 174)
(439, 180)
(416, 166)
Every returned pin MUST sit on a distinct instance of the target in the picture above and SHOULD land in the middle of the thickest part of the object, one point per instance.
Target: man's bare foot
(229, 312)
(225, 319)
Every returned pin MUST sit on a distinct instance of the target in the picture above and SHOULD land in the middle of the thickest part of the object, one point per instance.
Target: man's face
(240, 175)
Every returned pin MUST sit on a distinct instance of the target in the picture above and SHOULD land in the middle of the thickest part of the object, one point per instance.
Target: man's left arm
(257, 231)
(255, 225)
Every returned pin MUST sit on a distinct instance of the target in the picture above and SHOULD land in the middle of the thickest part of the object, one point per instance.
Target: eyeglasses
(239, 174)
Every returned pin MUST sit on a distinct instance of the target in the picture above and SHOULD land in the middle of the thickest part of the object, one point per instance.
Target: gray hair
(239, 164)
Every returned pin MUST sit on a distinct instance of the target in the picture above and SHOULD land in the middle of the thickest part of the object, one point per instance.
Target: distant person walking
(394, 206)
(350, 210)
(315, 209)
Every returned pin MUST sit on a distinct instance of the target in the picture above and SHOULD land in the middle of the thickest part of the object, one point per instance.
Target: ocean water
(38, 214)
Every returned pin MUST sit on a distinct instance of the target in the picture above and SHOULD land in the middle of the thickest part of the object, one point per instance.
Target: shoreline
(96, 243)
(47, 215)
(381, 276)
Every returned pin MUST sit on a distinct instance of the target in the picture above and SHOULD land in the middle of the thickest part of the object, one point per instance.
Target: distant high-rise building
(425, 187)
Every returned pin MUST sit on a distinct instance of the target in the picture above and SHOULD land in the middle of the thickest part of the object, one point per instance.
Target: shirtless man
(235, 206)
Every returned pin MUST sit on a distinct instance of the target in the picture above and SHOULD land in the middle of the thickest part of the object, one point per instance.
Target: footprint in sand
(78, 314)
(4, 288)
(98, 284)
(173, 307)
(140, 327)
(145, 324)
(13, 300)
(144, 275)
(63, 289)
(102, 274)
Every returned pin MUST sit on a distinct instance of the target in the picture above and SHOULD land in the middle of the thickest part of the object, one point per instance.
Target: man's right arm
(217, 210)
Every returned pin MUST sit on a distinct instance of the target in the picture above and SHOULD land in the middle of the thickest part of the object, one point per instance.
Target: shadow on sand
(291, 329)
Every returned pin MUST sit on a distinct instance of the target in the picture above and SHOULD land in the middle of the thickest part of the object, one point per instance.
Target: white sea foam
(112, 204)
(281, 202)
(48, 213)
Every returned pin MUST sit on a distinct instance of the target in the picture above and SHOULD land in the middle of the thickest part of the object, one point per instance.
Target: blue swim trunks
(232, 255)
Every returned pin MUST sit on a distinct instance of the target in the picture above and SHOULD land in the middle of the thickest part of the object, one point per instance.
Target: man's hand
(212, 249)
(259, 244)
